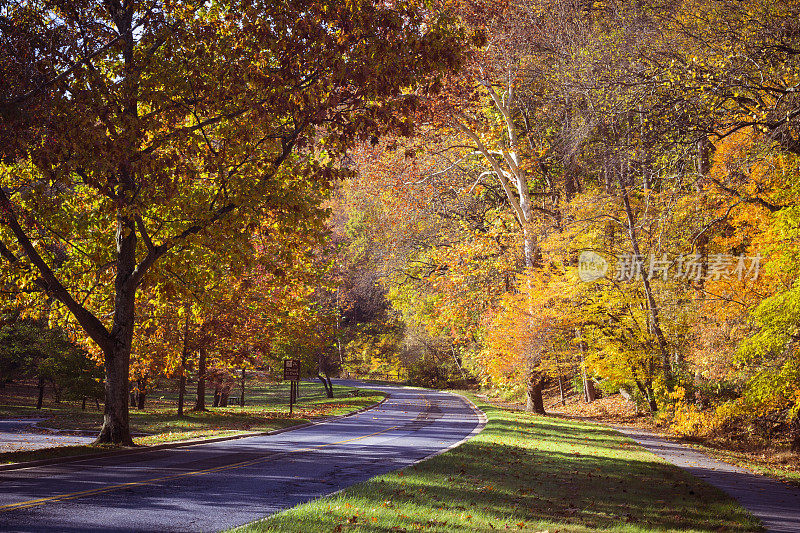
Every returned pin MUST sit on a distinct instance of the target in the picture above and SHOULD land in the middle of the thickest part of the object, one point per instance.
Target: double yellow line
(120, 486)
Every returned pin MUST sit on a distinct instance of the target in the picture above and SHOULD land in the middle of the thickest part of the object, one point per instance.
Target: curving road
(215, 486)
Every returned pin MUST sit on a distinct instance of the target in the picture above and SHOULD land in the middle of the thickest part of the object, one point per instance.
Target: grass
(772, 458)
(782, 465)
(266, 409)
(49, 453)
(526, 473)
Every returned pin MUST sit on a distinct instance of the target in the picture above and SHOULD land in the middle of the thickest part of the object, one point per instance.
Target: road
(18, 435)
(776, 504)
(215, 486)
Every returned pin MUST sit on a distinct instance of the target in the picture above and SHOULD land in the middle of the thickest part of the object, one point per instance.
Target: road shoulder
(775, 503)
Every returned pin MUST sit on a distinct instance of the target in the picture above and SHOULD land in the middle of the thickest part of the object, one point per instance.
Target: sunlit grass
(266, 409)
(526, 473)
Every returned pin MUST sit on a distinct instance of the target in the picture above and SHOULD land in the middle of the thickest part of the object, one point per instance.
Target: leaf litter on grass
(544, 473)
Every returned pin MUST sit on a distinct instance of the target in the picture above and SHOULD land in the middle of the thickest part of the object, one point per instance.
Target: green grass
(266, 409)
(779, 464)
(50, 453)
(526, 473)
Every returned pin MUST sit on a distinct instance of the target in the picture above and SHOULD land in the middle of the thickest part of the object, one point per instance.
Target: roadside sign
(291, 373)
(291, 369)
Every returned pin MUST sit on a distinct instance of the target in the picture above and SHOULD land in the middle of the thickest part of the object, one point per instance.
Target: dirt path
(775, 503)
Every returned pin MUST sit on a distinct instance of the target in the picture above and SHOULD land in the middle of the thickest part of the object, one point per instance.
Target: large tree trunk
(535, 401)
(116, 419)
(200, 402)
(117, 352)
(795, 432)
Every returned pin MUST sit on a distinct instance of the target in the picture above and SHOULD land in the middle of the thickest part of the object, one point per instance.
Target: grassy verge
(265, 410)
(782, 464)
(773, 459)
(526, 473)
(48, 453)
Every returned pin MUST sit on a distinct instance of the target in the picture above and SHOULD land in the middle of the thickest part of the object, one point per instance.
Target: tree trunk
(241, 396)
(184, 358)
(651, 301)
(182, 369)
(653, 405)
(647, 392)
(795, 432)
(83, 403)
(589, 394)
(181, 389)
(223, 398)
(141, 392)
(562, 398)
(40, 398)
(200, 402)
(115, 344)
(528, 246)
(56, 391)
(138, 394)
(322, 374)
(116, 418)
(535, 402)
(117, 351)
(326, 383)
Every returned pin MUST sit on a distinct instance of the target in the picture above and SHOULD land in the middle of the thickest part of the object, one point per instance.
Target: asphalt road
(776, 504)
(215, 486)
(20, 434)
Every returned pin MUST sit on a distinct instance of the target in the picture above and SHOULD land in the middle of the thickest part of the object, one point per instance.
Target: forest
(587, 197)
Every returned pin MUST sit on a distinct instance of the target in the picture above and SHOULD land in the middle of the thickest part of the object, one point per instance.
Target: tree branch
(747, 199)
(96, 330)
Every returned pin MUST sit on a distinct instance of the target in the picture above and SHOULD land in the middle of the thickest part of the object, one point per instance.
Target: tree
(153, 128)
(30, 350)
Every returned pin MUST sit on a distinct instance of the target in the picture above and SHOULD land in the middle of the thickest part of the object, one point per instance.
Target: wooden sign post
(291, 373)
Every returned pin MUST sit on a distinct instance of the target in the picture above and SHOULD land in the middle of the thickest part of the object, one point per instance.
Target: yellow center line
(111, 488)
